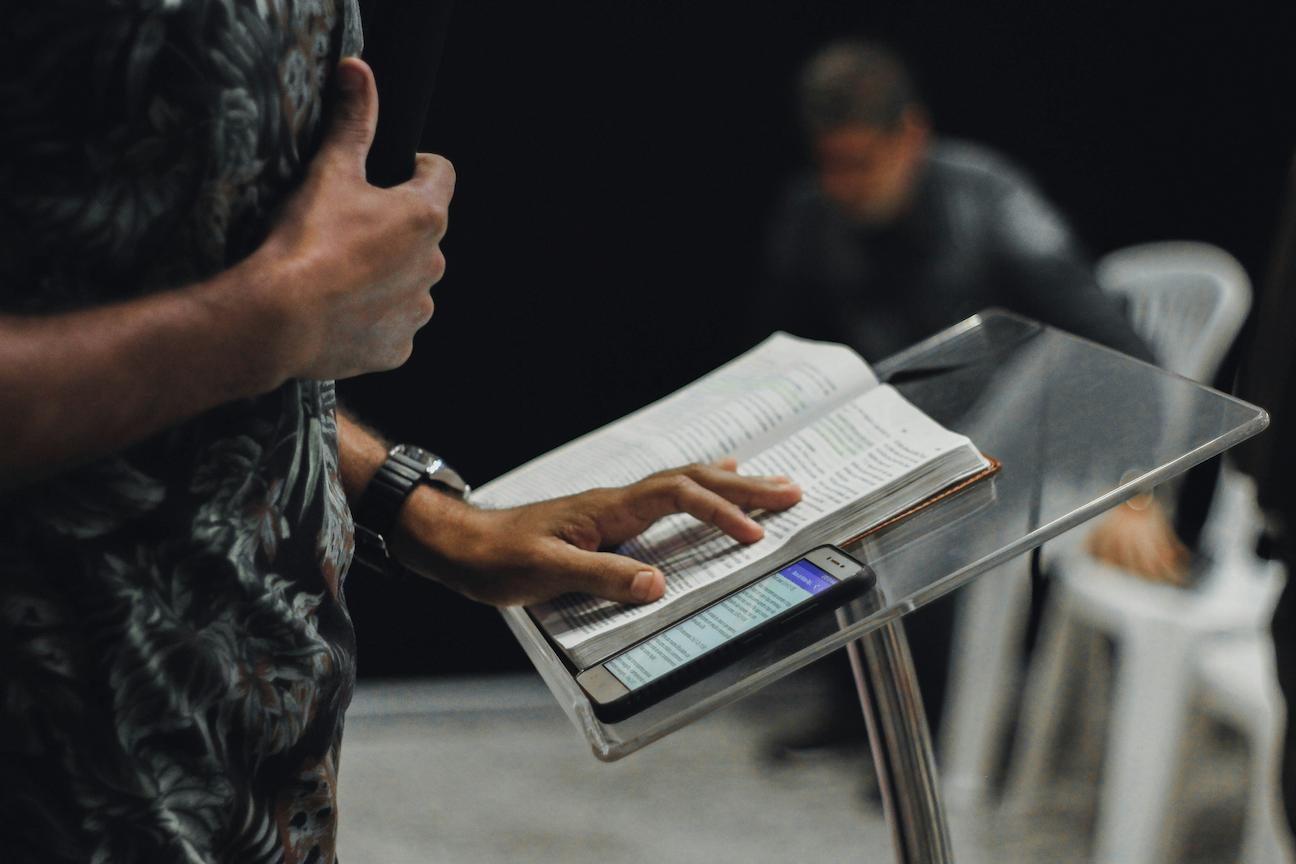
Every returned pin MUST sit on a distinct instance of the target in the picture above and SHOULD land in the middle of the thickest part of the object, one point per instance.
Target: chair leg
(1096, 662)
(983, 678)
(1266, 838)
(1144, 733)
(1042, 704)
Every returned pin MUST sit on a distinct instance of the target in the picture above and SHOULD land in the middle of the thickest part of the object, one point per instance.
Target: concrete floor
(490, 770)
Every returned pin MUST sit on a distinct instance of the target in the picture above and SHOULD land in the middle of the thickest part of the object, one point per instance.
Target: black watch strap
(375, 513)
(405, 467)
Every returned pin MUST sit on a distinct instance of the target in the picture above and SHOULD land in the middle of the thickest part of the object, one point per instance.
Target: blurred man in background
(896, 234)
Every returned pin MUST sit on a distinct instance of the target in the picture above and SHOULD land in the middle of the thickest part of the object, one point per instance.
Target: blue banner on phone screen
(717, 624)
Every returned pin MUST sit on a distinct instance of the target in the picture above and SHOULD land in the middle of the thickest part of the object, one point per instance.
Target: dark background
(617, 161)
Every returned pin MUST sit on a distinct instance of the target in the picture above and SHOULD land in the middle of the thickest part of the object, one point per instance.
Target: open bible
(814, 411)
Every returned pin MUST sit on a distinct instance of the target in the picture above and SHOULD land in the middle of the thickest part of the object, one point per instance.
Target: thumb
(611, 576)
(355, 117)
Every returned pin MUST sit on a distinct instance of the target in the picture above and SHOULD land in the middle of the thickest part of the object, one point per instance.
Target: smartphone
(718, 633)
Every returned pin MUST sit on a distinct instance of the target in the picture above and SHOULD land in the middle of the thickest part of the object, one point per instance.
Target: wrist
(436, 535)
(259, 294)
(407, 503)
(229, 340)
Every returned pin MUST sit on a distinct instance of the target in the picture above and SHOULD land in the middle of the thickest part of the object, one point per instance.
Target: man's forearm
(361, 452)
(79, 385)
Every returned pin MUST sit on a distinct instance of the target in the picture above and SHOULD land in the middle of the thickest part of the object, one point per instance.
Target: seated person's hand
(1141, 540)
(529, 554)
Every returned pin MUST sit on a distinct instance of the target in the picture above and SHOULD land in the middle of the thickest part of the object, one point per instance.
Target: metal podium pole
(901, 745)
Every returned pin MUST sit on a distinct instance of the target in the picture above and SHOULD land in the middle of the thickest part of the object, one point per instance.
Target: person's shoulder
(1011, 206)
(977, 165)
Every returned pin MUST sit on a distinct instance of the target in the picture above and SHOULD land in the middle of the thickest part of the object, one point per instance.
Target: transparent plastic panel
(1078, 428)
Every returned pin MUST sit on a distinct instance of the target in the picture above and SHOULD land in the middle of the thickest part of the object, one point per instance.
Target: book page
(855, 451)
(737, 410)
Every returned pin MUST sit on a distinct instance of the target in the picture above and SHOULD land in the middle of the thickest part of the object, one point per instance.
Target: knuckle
(680, 487)
(425, 308)
(435, 163)
(436, 265)
(677, 483)
(407, 351)
(602, 497)
(400, 353)
(430, 216)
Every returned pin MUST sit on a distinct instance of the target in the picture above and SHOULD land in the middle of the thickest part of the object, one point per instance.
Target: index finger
(749, 493)
(651, 499)
(689, 490)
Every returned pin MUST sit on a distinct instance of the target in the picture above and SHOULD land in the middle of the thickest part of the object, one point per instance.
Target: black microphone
(404, 41)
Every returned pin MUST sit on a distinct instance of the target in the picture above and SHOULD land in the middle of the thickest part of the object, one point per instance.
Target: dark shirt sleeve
(1048, 276)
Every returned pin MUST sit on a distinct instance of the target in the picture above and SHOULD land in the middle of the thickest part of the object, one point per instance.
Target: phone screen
(715, 625)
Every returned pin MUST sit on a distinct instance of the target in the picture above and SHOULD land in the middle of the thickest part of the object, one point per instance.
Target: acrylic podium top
(1078, 428)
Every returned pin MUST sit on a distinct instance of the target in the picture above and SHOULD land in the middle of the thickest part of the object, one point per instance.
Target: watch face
(418, 454)
(434, 468)
(428, 462)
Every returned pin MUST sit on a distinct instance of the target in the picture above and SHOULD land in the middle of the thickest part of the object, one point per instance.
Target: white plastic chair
(1176, 648)
(984, 675)
(1188, 301)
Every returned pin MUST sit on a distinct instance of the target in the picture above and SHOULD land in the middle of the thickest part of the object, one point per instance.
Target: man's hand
(1140, 539)
(349, 265)
(338, 288)
(534, 553)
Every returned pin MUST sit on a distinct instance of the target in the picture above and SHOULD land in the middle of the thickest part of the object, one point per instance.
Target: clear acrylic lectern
(1078, 429)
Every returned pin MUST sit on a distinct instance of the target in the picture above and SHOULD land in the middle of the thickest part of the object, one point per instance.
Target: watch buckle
(371, 540)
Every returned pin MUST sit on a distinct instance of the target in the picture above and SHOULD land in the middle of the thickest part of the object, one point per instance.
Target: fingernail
(644, 586)
(781, 480)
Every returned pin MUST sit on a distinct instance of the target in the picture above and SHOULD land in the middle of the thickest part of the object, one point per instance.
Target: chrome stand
(901, 745)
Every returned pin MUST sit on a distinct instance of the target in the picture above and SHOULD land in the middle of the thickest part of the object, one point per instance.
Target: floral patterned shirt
(175, 652)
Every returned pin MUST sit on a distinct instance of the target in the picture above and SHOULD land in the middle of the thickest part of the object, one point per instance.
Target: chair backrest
(1187, 300)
